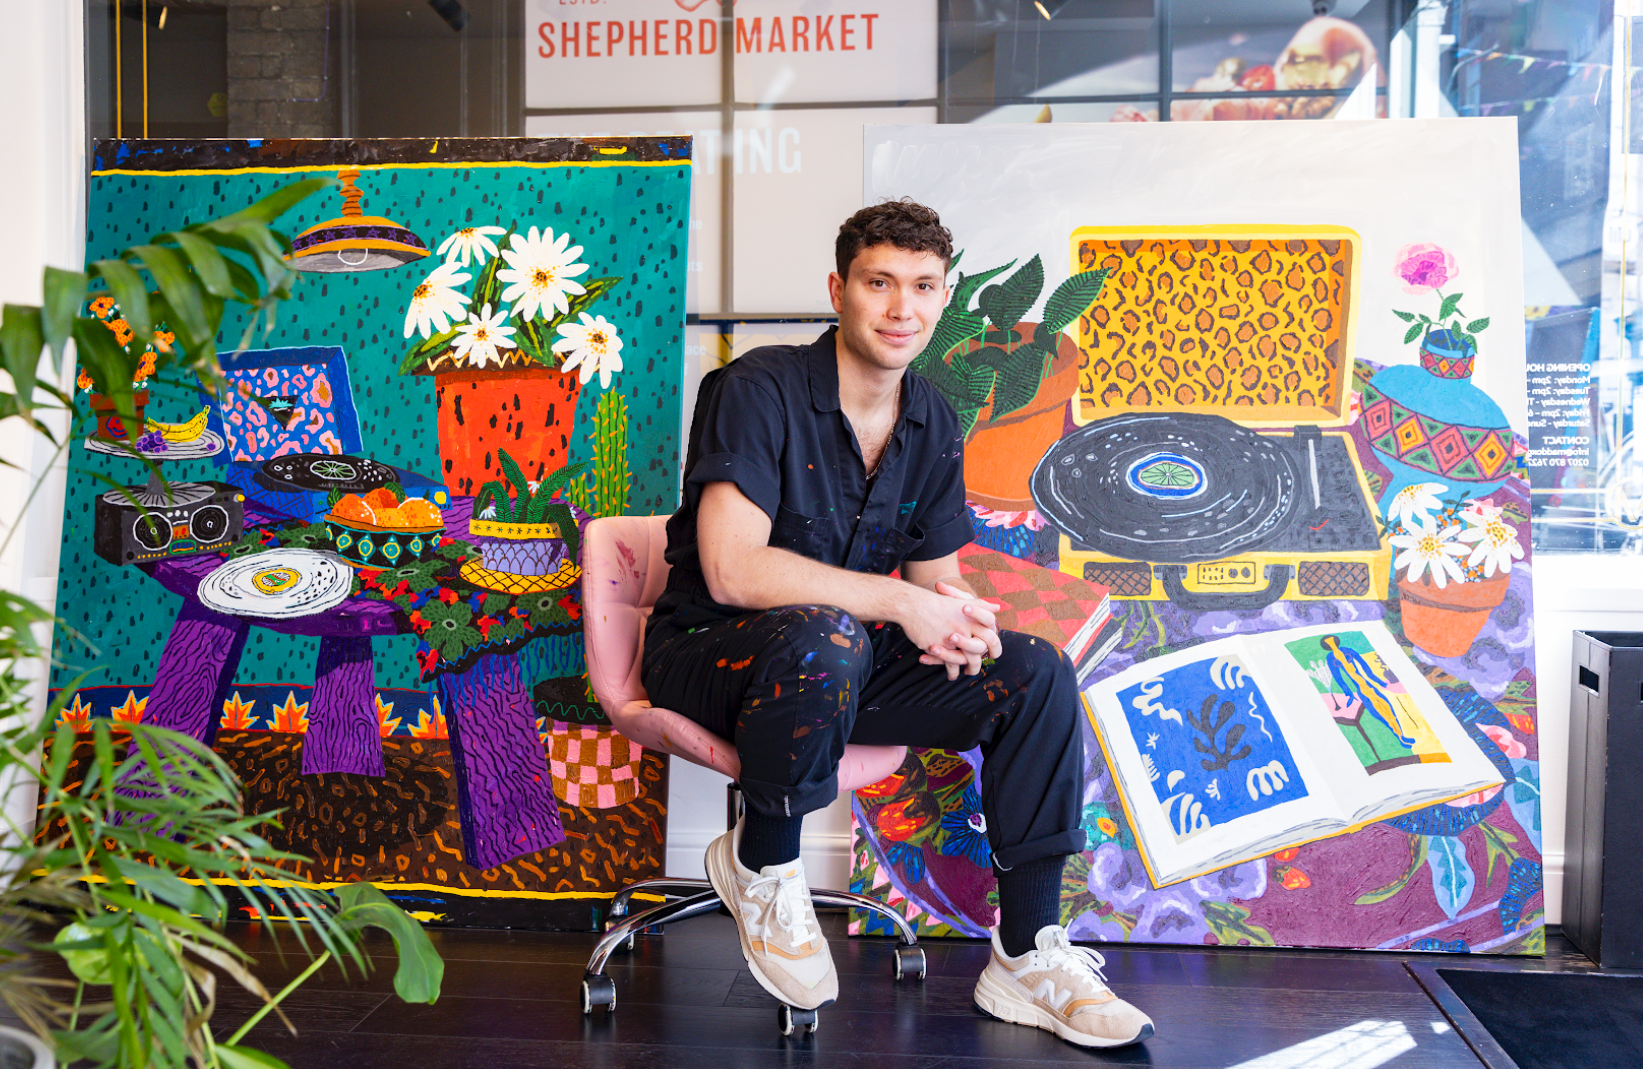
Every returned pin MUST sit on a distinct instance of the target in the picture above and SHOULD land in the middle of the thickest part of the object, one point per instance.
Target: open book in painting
(1243, 746)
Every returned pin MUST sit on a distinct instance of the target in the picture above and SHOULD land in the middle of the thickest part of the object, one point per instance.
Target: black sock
(1029, 897)
(768, 840)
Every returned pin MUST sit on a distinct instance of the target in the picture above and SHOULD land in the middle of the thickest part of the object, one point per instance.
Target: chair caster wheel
(797, 1022)
(598, 991)
(909, 961)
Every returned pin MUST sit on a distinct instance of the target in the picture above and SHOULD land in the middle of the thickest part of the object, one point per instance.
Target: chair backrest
(623, 573)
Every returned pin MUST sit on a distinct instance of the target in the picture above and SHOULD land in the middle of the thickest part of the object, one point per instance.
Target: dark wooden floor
(686, 999)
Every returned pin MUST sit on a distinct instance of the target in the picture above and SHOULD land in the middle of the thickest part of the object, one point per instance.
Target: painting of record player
(1210, 466)
(1212, 515)
(1270, 427)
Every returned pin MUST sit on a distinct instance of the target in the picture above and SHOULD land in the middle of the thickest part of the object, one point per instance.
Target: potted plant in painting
(532, 533)
(501, 347)
(1453, 564)
(1005, 376)
(111, 915)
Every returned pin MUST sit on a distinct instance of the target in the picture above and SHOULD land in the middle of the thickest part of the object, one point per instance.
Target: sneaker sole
(720, 881)
(996, 1001)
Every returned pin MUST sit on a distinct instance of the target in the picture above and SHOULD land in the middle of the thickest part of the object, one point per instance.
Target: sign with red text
(620, 53)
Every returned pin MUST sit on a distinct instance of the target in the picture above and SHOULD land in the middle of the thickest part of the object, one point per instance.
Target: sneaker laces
(1063, 953)
(789, 900)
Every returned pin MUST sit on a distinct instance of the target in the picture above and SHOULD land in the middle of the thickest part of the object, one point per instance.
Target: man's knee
(824, 638)
(1031, 657)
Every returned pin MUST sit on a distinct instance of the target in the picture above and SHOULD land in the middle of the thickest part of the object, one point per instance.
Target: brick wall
(278, 54)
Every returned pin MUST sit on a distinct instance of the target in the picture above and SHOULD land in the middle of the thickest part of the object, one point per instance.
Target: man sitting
(813, 472)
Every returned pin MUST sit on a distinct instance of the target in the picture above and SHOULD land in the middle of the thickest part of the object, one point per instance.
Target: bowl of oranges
(382, 529)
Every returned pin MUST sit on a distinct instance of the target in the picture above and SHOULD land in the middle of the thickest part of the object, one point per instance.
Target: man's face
(889, 304)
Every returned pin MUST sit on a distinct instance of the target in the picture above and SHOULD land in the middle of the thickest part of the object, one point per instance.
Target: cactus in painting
(606, 494)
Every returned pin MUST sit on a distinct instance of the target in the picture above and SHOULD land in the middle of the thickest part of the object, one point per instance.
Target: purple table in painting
(507, 805)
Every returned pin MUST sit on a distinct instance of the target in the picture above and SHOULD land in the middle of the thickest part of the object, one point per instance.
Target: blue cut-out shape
(1210, 744)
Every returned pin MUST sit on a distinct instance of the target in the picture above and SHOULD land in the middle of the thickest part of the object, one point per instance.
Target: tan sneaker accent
(776, 923)
(1059, 987)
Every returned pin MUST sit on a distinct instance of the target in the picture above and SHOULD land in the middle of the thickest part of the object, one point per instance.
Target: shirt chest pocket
(818, 538)
(883, 551)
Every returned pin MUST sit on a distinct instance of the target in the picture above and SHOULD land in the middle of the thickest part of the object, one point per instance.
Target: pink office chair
(622, 574)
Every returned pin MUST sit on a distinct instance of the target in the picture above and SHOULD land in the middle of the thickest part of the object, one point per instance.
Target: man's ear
(835, 290)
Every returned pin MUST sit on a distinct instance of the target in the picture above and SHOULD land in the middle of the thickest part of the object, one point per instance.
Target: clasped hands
(954, 628)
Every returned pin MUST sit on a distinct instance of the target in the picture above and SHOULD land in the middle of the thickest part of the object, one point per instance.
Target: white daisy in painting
(470, 241)
(541, 272)
(480, 339)
(1414, 505)
(436, 301)
(1494, 542)
(593, 345)
(1425, 548)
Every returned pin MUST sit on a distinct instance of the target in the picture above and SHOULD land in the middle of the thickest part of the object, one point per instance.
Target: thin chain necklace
(884, 444)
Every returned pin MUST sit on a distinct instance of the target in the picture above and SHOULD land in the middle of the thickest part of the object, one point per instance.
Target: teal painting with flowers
(354, 567)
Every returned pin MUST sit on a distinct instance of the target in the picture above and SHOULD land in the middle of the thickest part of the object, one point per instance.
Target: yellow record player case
(1217, 353)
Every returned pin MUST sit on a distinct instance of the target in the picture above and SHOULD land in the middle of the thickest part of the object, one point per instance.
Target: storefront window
(777, 92)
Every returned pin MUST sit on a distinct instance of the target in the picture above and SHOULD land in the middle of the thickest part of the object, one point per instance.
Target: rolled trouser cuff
(784, 800)
(1057, 845)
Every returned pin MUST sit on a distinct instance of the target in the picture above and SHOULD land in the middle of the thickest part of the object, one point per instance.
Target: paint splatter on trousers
(789, 687)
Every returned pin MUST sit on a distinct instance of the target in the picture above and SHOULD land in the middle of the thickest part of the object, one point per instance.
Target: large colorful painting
(1260, 415)
(360, 580)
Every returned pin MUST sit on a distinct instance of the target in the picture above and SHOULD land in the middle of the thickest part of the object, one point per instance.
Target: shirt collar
(823, 355)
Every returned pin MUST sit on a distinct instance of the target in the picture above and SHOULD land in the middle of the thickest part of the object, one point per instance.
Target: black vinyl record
(1169, 489)
(322, 473)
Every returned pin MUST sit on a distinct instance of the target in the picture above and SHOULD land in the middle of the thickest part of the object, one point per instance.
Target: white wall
(1571, 593)
(42, 185)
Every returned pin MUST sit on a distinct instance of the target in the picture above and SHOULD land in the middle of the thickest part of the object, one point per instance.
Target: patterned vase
(1431, 424)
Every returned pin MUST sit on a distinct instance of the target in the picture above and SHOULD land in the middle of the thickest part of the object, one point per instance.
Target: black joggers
(789, 687)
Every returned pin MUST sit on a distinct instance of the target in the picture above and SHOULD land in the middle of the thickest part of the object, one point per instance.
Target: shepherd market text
(686, 37)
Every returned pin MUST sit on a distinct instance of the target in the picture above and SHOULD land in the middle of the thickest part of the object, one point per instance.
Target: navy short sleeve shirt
(771, 423)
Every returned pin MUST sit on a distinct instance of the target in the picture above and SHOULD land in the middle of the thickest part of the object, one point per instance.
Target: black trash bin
(1603, 855)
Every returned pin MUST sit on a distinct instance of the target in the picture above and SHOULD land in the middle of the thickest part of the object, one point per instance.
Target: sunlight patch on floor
(1364, 1045)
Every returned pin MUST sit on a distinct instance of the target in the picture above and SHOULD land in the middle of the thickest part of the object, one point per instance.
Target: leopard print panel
(1247, 327)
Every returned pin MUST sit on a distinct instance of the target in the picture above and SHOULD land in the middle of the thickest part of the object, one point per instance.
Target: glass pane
(1006, 52)
(657, 53)
(1549, 68)
(809, 51)
(1259, 45)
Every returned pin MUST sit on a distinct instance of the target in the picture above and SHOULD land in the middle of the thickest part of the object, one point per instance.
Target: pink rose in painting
(1425, 267)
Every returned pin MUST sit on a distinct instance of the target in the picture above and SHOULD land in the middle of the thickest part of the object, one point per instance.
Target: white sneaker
(776, 921)
(1059, 987)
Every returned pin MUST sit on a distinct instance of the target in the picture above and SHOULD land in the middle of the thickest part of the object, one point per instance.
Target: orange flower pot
(528, 411)
(1444, 621)
(999, 457)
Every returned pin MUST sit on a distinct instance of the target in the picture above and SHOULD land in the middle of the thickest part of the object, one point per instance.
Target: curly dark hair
(904, 223)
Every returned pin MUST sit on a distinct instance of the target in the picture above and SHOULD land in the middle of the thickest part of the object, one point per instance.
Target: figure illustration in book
(1378, 716)
(1205, 735)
